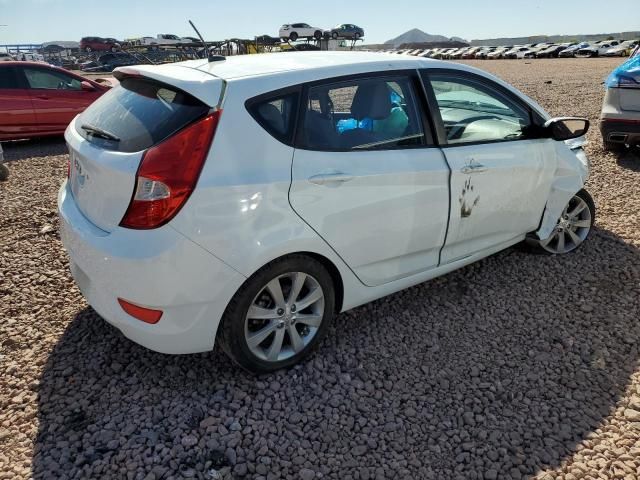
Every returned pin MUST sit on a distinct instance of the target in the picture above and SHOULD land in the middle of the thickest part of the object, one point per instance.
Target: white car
(596, 50)
(622, 50)
(5, 57)
(247, 201)
(294, 31)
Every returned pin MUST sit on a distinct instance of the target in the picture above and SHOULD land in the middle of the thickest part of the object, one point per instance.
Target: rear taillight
(144, 314)
(168, 174)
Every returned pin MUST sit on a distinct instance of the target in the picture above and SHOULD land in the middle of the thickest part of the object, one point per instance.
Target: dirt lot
(519, 366)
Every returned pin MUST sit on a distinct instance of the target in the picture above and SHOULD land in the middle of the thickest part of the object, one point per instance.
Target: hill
(416, 35)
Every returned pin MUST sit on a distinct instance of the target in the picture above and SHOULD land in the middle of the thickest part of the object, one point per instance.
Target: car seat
(372, 100)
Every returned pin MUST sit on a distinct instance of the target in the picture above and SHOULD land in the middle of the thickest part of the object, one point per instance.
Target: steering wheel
(62, 85)
(458, 130)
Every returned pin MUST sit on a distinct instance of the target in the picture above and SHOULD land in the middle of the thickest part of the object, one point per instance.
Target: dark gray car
(346, 30)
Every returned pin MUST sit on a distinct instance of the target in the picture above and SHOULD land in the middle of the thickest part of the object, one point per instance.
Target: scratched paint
(466, 204)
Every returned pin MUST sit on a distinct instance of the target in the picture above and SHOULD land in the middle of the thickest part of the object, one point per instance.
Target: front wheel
(356, 36)
(573, 227)
(334, 35)
(317, 35)
(279, 315)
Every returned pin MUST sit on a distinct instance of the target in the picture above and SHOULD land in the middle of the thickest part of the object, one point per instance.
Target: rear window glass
(138, 114)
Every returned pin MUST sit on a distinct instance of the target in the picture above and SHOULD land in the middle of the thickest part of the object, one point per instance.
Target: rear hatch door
(108, 140)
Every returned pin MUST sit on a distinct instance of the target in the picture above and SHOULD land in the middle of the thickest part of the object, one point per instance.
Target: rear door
(367, 177)
(17, 116)
(56, 96)
(501, 172)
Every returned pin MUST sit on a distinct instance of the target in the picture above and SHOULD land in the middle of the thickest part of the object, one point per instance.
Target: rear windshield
(138, 114)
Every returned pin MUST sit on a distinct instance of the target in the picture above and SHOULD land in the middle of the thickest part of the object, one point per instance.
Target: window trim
(288, 138)
(411, 75)
(427, 74)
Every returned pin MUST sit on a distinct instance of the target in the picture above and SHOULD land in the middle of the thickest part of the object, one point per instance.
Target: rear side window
(138, 114)
(8, 78)
(276, 115)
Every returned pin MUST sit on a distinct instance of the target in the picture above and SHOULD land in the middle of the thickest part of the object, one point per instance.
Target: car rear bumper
(623, 131)
(159, 269)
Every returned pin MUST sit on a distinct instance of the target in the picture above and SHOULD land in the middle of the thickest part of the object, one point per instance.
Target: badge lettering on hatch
(82, 177)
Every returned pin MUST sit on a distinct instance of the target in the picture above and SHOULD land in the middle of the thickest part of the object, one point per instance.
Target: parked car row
(602, 48)
(295, 31)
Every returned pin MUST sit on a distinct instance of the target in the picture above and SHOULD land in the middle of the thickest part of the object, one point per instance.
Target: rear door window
(367, 113)
(138, 114)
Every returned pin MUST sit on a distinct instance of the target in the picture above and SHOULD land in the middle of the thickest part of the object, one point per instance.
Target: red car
(38, 100)
(97, 44)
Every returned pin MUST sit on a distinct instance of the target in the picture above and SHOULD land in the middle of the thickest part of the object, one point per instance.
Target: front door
(57, 97)
(368, 179)
(501, 171)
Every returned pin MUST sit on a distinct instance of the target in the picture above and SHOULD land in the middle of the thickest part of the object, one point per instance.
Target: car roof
(330, 63)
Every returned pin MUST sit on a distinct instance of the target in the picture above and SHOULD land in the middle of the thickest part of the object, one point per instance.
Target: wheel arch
(327, 263)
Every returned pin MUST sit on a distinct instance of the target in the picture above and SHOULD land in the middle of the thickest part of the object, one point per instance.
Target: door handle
(473, 168)
(43, 97)
(328, 178)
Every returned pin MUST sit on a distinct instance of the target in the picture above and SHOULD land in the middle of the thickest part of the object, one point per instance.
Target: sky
(37, 21)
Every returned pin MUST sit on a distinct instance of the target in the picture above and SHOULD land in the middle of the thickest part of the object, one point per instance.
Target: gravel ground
(519, 366)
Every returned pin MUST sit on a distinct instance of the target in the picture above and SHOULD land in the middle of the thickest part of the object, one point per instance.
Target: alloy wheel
(284, 317)
(572, 228)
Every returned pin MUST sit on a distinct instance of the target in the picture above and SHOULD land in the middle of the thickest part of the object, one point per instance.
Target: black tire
(356, 36)
(88, 49)
(293, 37)
(614, 147)
(334, 35)
(231, 333)
(317, 35)
(4, 172)
(533, 244)
(114, 49)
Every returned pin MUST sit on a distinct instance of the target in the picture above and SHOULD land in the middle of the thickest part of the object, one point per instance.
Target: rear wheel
(334, 35)
(573, 226)
(293, 37)
(356, 35)
(88, 49)
(279, 315)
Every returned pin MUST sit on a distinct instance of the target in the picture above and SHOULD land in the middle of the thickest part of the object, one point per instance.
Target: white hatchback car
(294, 31)
(249, 200)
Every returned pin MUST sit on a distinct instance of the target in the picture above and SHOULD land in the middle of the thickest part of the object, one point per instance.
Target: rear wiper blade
(99, 132)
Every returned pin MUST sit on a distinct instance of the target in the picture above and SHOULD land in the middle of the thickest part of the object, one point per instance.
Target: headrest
(372, 100)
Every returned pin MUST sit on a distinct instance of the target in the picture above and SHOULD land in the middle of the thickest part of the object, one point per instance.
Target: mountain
(415, 35)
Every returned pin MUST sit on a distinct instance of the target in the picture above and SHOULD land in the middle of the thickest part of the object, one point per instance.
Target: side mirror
(566, 128)
(87, 87)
